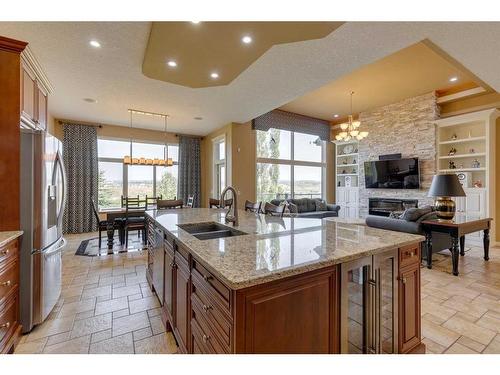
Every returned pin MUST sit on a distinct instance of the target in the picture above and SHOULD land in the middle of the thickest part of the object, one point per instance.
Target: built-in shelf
(345, 155)
(462, 170)
(347, 165)
(462, 156)
(463, 140)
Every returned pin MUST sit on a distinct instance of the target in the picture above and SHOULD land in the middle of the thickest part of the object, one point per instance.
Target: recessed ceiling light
(198, 118)
(172, 63)
(90, 100)
(214, 75)
(246, 39)
(453, 79)
(336, 116)
(195, 22)
(95, 43)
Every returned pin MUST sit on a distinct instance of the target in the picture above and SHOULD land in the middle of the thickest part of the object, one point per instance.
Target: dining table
(119, 213)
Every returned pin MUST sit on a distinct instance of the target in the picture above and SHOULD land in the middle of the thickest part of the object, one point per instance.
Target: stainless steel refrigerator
(43, 196)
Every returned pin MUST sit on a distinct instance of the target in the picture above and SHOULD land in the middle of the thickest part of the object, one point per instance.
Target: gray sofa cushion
(412, 214)
(318, 214)
(307, 207)
(320, 205)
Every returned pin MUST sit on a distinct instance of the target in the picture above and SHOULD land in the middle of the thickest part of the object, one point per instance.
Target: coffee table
(457, 229)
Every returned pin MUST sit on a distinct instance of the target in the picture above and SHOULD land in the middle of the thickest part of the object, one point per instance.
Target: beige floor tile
(123, 344)
(474, 345)
(433, 347)
(463, 304)
(100, 336)
(154, 312)
(126, 291)
(436, 309)
(433, 318)
(157, 325)
(490, 321)
(471, 330)
(90, 325)
(142, 333)
(493, 347)
(69, 309)
(79, 345)
(159, 344)
(457, 348)
(130, 323)
(120, 313)
(50, 328)
(143, 304)
(33, 347)
(439, 334)
(111, 305)
(96, 292)
(56, 339)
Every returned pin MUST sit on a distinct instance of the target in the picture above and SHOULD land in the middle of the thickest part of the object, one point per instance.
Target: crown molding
(32, 62)
(12, 45)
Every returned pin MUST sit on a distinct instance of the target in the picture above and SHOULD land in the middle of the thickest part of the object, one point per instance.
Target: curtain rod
(78, 123)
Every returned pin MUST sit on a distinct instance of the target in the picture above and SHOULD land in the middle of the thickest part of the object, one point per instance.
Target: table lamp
(443, 187)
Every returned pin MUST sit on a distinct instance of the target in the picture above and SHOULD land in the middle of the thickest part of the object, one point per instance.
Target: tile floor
(107, 307)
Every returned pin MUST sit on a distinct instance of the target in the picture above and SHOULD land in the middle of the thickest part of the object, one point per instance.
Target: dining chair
(190, 201)
(215, 203)
(131, 201)
(253, 207)
(169, 204)
(133, 222)
(151, 202)
(271, 209)
(103, 224)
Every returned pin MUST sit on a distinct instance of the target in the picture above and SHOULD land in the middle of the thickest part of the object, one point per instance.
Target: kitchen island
(283, 285)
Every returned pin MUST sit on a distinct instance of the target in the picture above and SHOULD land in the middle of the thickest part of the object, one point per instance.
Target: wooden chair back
(271, 209)
(169, 203)
(215, 203)
(190, 201)
(133, 204)
(151, 202)
(253, 207)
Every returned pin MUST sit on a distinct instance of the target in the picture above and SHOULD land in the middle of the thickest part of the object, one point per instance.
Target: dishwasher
(158, 266)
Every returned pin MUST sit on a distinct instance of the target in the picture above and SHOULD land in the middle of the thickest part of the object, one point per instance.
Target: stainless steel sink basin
(210, 230)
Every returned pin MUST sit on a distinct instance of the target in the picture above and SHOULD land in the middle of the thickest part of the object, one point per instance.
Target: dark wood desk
(118, 213)
(457, 229)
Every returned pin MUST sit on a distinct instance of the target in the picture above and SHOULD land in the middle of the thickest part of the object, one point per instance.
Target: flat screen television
(392, 174)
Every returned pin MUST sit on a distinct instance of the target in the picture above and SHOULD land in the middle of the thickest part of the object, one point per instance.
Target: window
(219, 175)
(117, 179)
(289, 165)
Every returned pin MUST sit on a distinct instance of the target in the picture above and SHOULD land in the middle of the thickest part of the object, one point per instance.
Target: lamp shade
(446, 185)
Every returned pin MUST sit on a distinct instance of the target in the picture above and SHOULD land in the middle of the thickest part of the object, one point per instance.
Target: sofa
(410, 221)
(309, 208)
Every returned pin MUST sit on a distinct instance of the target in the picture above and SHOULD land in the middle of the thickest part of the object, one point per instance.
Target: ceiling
(113, 74)
(413, 71)
(202, 48)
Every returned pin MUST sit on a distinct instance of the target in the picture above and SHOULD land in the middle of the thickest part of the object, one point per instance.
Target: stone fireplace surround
(406, 127)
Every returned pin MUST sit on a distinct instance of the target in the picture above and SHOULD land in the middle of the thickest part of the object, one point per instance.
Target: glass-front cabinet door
(369, 305)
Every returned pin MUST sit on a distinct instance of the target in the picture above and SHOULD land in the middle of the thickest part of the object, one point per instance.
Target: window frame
(292, 163)
(126, 166)
(218, 163)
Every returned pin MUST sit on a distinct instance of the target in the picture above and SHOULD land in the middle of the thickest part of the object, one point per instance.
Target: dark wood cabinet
(182, 301)
(33, 99)
(168, 287)
(42, 108)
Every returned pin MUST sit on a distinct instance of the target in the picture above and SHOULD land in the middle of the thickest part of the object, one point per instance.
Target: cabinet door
(28, 97)
(182, 305)
(475, 202)
(343, 212)
(341, 196)
(168, 284)
(41, 109)
(409, 308)
(352, 196)
(356, 328)
(386, 302)
(353, 212)
(460, 204)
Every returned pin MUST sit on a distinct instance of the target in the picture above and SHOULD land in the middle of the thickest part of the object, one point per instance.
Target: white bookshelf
(347, 168)
(472, 135)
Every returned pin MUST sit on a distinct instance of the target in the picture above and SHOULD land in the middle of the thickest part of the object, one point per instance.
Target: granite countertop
(8, 236)
(275, 247)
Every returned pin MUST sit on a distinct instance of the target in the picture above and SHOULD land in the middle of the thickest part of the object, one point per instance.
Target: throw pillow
(412, 214)
(321, 205)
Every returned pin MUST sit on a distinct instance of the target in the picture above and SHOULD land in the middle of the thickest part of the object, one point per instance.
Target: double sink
(210, 230)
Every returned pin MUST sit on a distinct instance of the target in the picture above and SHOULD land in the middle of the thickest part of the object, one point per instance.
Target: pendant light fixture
(129, 159)
(350, 129)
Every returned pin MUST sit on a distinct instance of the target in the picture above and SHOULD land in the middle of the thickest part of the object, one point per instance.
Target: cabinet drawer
(409, 255)
(8, 252)
(9, 279)
(202, 334)
(217, 320)
(8, 319)
(211, 284)
(199, 340)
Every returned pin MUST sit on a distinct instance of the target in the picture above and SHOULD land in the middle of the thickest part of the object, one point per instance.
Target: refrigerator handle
(60, 164)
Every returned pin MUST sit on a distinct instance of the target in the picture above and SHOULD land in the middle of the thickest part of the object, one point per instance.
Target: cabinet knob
(5, 325)
(5, 283)
(206, 308)
(204, 337)
(410, 254)
(403, 280)
(4, 252)
(207, 277)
